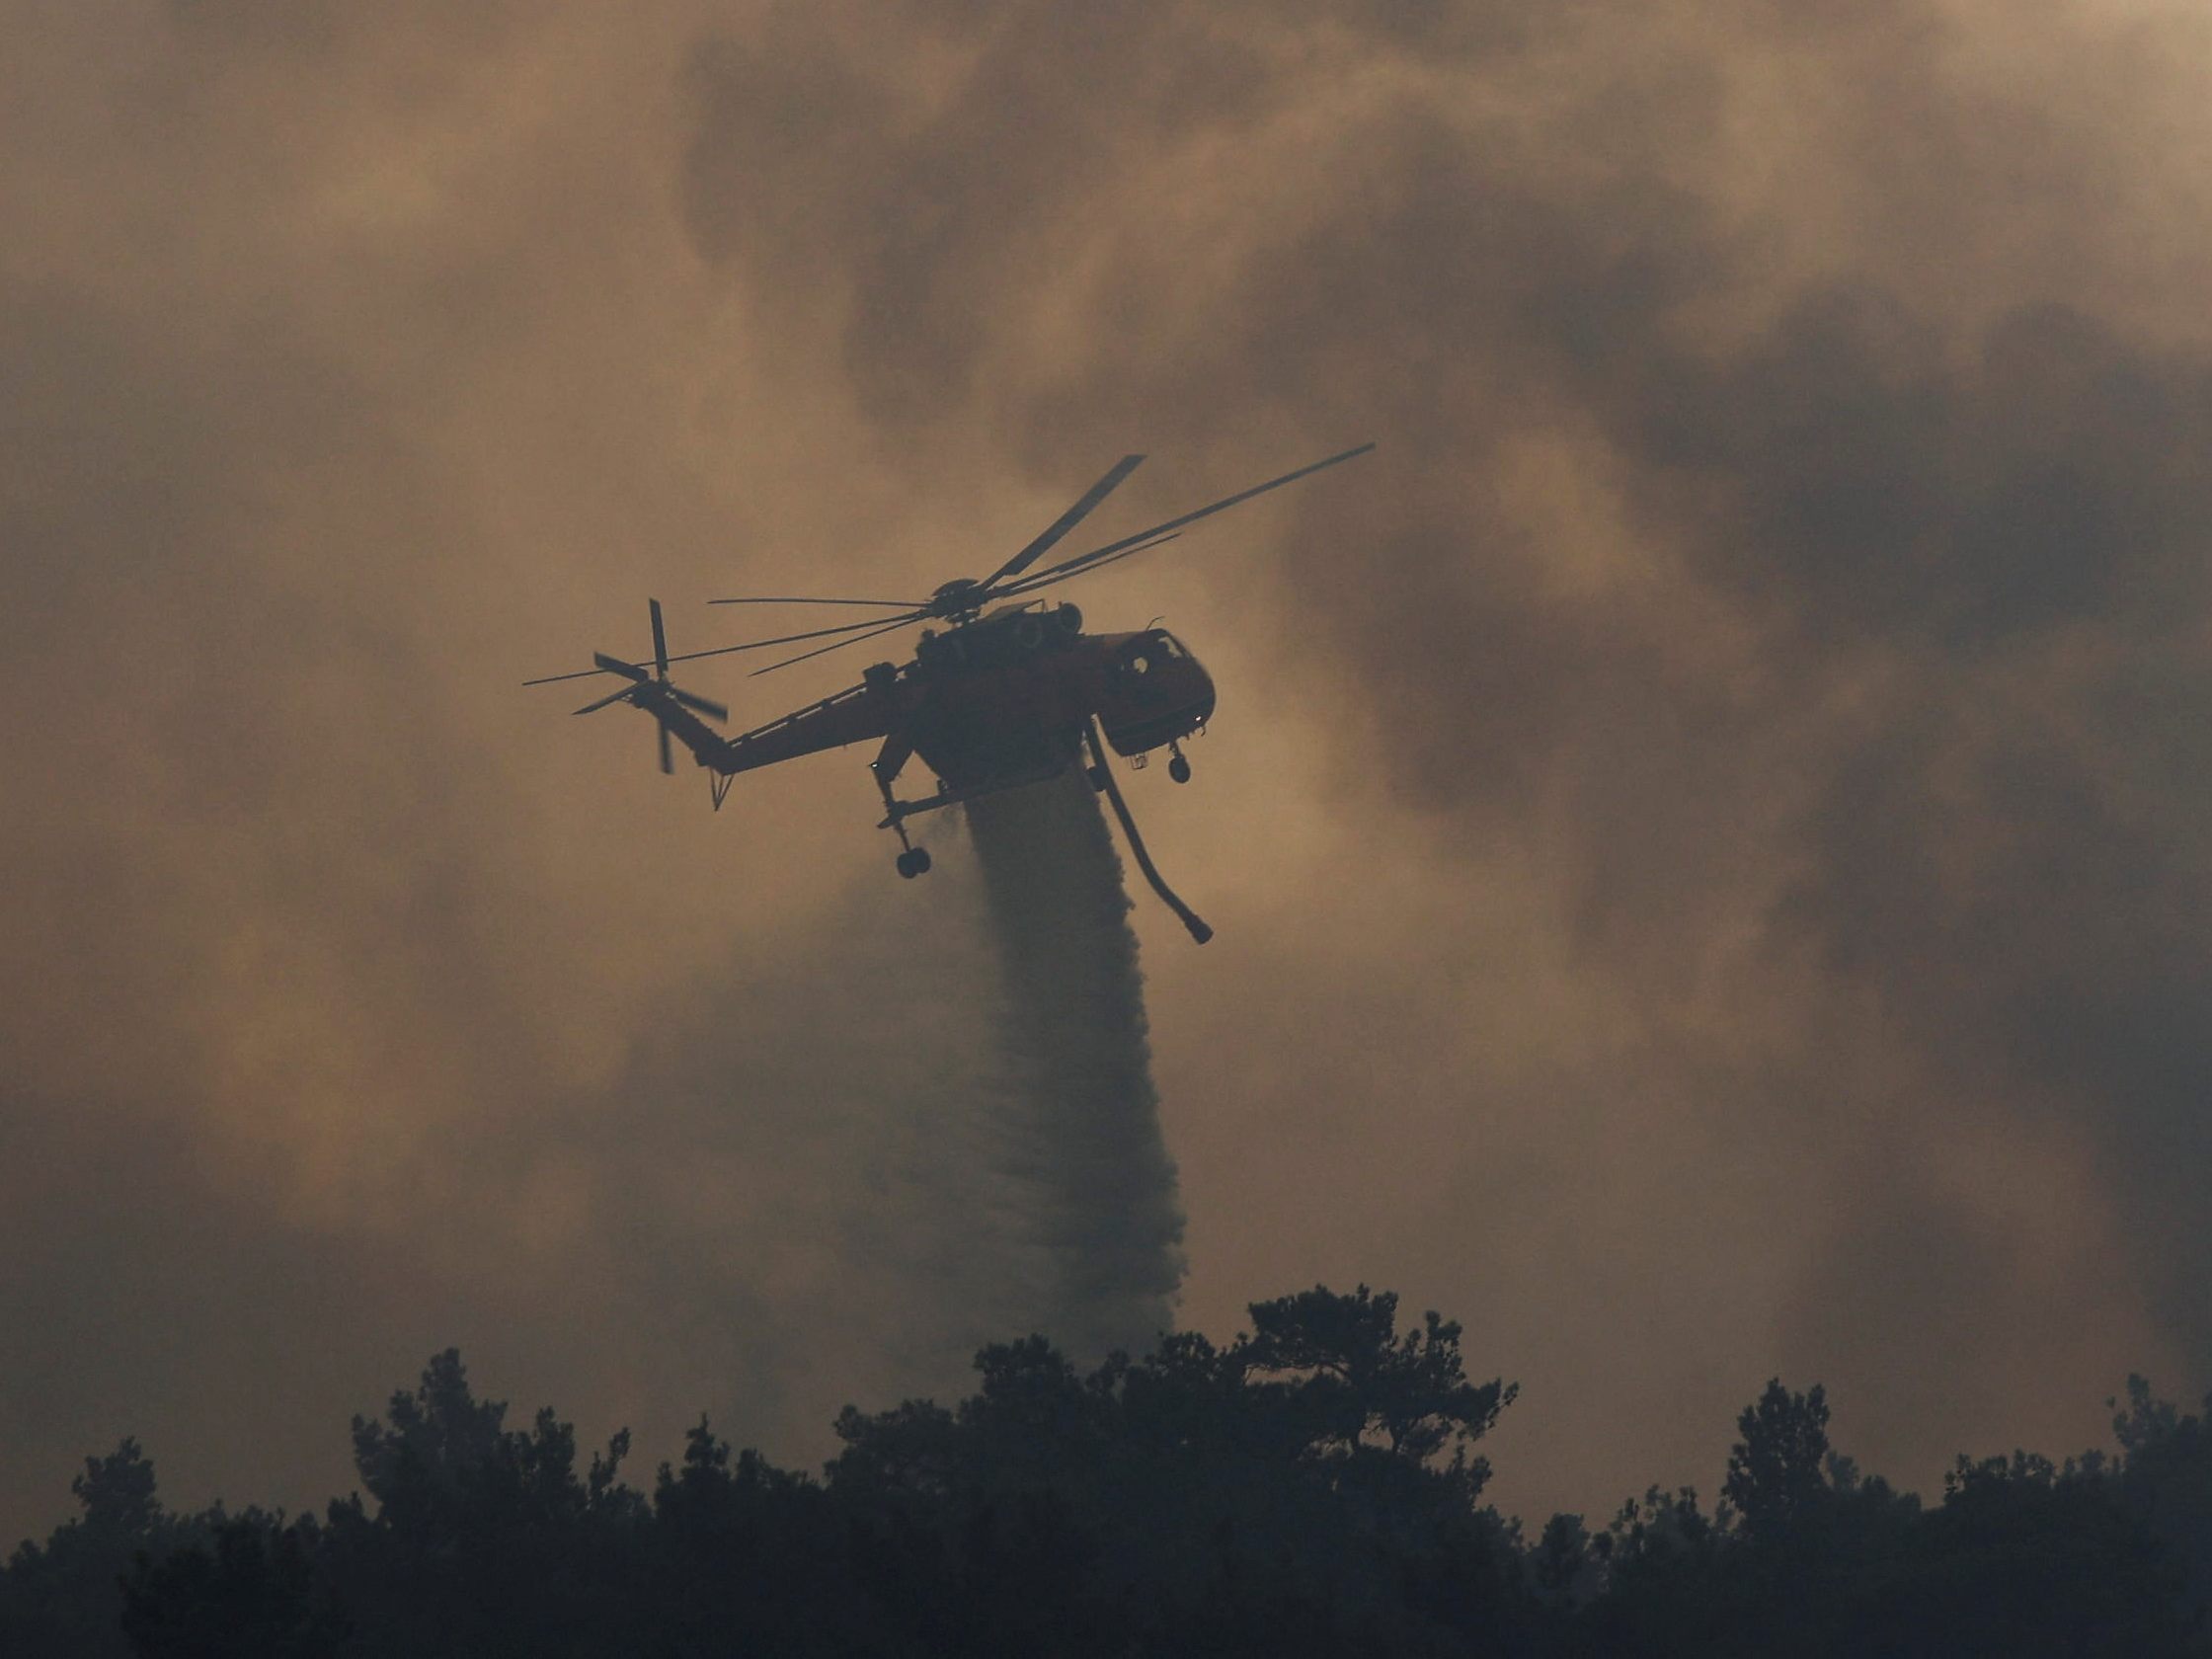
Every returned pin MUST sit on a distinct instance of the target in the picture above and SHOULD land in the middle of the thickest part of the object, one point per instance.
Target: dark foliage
(61, 1598)
(252, 1592)
(1311, 1488)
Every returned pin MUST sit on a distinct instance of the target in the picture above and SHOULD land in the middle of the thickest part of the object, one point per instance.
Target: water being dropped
(1079, 1118)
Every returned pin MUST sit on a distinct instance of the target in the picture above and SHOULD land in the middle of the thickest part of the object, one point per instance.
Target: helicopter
(1003, 690)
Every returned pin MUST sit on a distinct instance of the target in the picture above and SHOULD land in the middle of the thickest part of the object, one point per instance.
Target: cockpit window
(1139, 663)
(1168, 644)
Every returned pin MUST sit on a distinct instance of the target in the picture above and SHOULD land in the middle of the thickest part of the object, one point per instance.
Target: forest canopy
(1312, 1487)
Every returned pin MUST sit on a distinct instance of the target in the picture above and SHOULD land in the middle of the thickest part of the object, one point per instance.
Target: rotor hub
(958, 600)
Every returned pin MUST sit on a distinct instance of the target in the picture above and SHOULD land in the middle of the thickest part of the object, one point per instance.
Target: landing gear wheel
(1097, 776)
(1179, 769)
(913, 862)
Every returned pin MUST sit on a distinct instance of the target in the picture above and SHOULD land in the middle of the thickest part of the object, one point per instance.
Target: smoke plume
(1712, 824)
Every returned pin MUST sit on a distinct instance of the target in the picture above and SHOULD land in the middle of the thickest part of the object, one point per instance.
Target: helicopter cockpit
(1160, 694)
(1154, 650)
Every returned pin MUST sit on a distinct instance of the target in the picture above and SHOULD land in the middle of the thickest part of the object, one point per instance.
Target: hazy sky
(1710, 827)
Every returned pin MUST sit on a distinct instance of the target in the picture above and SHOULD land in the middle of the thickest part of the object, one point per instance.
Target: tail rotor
(651, 691)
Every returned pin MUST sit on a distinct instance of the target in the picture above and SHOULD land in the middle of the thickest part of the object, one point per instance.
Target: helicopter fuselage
(996, 700)
(1008, 695)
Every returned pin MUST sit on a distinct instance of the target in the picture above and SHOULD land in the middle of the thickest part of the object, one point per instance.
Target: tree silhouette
(2164, 1481)
(1358, 1382)
(118, 1495)
(482, 1538)
(61, 1598)
(1777, 1471)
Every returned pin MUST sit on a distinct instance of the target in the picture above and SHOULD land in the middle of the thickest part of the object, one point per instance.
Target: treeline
(1311, 1488)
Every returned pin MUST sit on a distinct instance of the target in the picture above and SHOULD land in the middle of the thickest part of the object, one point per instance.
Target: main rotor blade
(839, 645)
(610, 697)
(887, 605)
(1067, 522)
(635, 671)
(1047, 579)
(705, 706)
(813, 633)
(555, 679)
(667, 761)
(1067, 567)
(1051, 573)
(660, 640)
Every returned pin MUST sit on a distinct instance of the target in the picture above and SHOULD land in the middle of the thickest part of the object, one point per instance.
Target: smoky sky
(1708, 825)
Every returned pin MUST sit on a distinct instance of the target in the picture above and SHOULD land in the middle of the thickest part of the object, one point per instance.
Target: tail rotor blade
(660, 640)
(706, 706)
(615, 666)
(667, 761)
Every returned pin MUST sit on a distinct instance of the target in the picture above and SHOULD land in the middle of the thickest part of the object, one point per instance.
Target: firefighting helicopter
(1009, 693)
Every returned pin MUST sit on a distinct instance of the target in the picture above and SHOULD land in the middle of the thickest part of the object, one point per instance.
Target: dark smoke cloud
(1884, 691)
(1705, 825)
